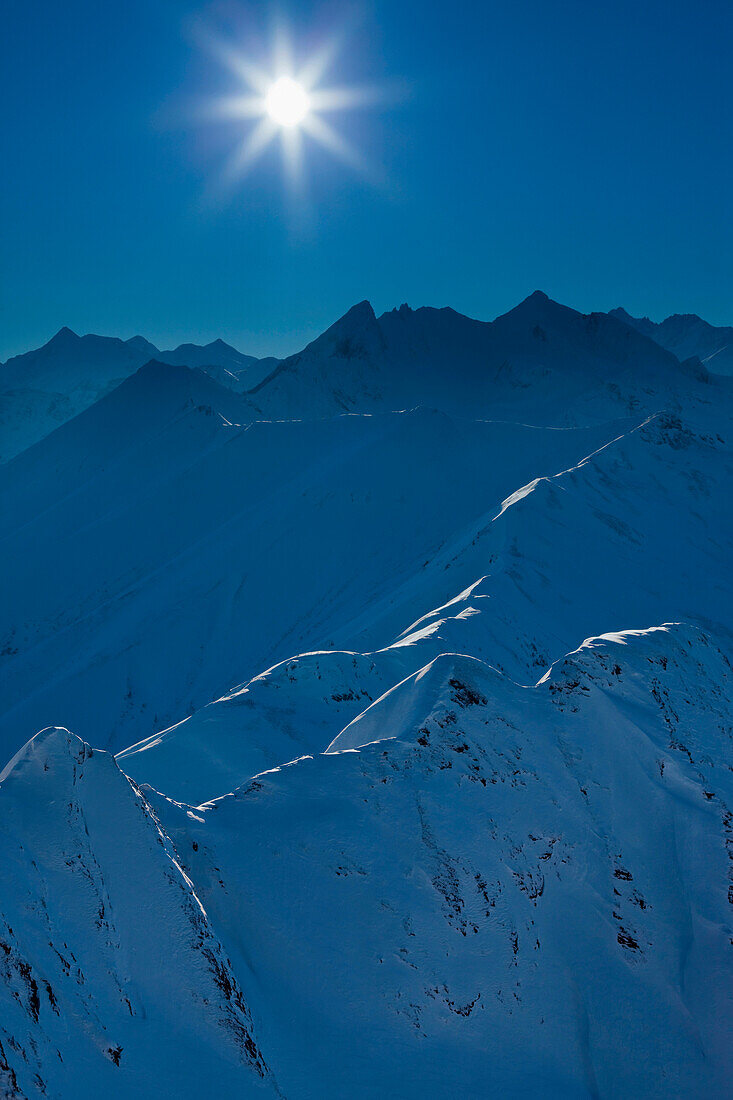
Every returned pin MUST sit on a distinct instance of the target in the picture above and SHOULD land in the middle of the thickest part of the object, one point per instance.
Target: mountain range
(686, 335)
(372, 701)
(42, 389)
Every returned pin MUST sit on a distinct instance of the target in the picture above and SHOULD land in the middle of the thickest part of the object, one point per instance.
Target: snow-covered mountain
(503, 887)
(180, 557)
(140, 344)
(517, 886)
(541, 362)
(42, 389)
(223, 362)
(687, 335)
(416, 662)
(109, 965)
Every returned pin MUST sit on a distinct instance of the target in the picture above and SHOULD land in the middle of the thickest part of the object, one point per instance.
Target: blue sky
(580, 148)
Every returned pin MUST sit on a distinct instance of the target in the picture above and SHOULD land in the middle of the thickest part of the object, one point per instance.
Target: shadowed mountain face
(221, 361)
(539, 358)
(43, 389)
(686, 335)
(386, 698)
(541, 361)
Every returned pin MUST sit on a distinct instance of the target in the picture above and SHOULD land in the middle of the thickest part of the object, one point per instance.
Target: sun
(287, 102)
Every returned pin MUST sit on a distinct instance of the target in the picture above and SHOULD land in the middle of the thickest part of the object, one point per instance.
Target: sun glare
(287, 102)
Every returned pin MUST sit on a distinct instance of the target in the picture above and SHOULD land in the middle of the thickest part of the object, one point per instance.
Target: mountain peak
(356, 335)
(139, 343)
(537, 300)
(538, 307)
(48, 750)
(620, 313)
(360, 311)
(64, 336)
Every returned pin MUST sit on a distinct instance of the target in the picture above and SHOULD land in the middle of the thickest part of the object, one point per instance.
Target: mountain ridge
(445, 360)
(385, 706)
(687, 336)
(43, 388)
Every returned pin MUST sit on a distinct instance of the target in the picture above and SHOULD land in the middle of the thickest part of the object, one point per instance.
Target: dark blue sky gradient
(584, 149)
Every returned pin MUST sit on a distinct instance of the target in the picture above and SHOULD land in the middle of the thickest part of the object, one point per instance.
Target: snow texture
(399, 675)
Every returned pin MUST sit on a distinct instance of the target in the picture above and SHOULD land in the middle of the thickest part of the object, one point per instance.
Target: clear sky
(582, 148)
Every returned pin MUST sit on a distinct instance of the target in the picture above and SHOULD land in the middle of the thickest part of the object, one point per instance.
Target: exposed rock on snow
(381, 822)
(109, 966)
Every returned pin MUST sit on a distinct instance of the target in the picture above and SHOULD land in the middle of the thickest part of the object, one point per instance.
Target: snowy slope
(556, 561)
(540, 358)
(223, 362)
(139, 343)
(687, 335)
(118, 431)
(212, 552)
(383, 823)
(42, 389)
(92, 900)
(517, 887)
(294, 708)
